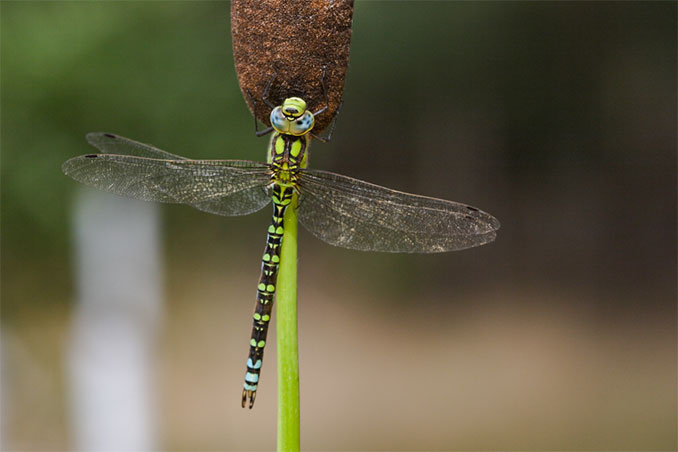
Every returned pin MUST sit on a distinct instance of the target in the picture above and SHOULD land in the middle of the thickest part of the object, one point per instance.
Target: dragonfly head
(292, 117)
(293, 107)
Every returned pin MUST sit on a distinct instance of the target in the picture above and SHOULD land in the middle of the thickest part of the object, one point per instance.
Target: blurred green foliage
(69, 68)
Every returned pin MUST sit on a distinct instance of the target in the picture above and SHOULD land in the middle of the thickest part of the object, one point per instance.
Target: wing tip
(494, 223)
(94, 137)
(491, 237)
(68, 166)
(65, 167)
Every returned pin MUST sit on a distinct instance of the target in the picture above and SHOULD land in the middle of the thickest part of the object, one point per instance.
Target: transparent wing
(222, 187)
(354, 214)
(109, 143)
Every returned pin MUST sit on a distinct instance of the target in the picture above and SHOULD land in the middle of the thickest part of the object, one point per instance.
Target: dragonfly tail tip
(251, 395)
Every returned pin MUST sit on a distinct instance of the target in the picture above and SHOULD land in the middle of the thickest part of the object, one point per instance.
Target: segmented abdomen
(282, 196)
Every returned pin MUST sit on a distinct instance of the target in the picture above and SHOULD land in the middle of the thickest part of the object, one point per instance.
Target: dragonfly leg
(327, 99)
(264, 96)
(257, 132)
(328, 137)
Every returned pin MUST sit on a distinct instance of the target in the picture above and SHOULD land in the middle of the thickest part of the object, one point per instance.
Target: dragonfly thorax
(287, 156)
(292, 117)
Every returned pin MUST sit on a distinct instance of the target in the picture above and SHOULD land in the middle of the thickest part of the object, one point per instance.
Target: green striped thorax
(292, 122)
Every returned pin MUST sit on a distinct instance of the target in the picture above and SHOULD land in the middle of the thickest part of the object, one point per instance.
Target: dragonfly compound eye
(302, 125)
(278, 120)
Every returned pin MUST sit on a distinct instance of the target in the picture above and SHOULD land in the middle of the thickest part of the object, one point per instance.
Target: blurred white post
(116, 318)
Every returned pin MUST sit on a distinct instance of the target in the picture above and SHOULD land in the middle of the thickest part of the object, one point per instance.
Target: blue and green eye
(302, 125)
(283, 118)
(278, 120)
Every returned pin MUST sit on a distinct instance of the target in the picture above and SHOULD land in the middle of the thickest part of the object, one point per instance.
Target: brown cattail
(296, 39)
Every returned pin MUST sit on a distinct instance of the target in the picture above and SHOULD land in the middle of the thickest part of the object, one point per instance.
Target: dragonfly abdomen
(270, 262)
(287, 154)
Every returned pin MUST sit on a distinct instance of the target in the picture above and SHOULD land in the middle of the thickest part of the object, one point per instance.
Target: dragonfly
(337, 209)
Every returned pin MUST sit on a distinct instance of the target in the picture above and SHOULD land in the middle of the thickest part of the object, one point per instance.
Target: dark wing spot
(471, 208)
(110, 135)
(91, 156)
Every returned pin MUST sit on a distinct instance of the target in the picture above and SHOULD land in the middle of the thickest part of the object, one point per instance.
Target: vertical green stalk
(286, 337)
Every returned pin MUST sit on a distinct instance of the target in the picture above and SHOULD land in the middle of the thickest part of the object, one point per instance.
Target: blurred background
(557, 118)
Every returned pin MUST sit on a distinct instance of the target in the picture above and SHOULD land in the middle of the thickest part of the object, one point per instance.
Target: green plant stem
(286, 337)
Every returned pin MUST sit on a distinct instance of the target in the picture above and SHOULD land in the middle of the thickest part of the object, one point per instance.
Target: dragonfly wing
(109, 143)
(222, 187)
(354, 214)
